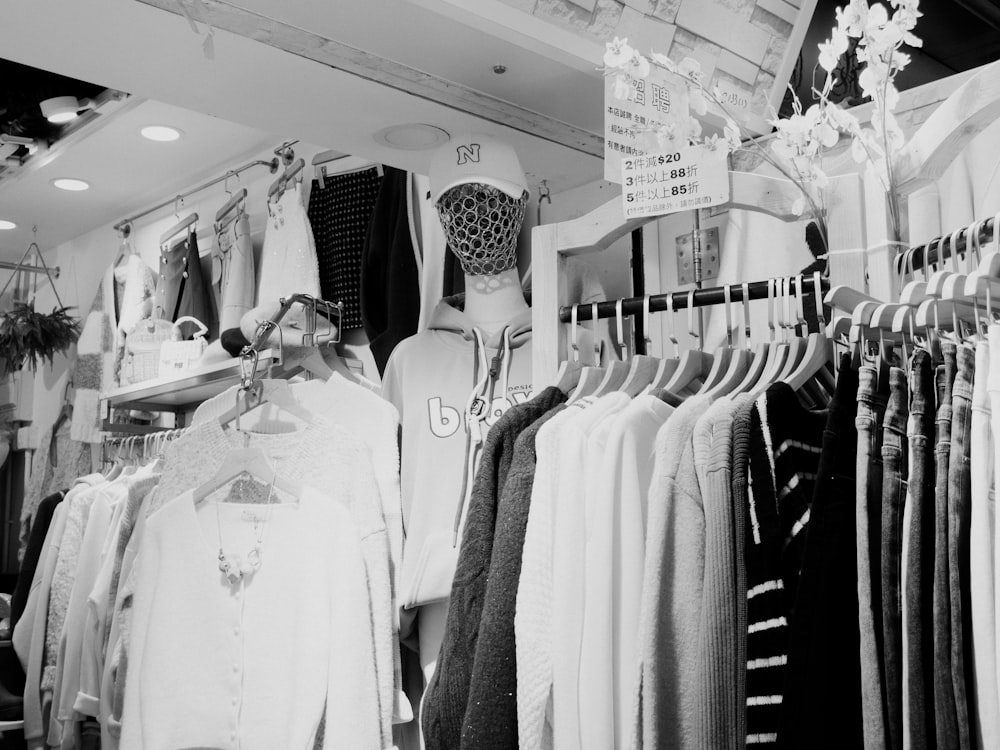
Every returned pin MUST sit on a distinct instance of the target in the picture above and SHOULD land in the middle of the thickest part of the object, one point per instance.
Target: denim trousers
(945, 712)
(894, 476)
(982, 580)
(918, 634)
(959, 499)
(868, 509)
(823, 635)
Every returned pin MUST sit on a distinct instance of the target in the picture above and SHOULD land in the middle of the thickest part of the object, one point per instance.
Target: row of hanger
(789, 354)
(950, 299)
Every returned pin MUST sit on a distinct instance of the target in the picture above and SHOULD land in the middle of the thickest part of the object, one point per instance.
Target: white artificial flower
(690, 68)
(617, 53)
(732, 134)
(696, 100)
(637, 65)
(663, 61)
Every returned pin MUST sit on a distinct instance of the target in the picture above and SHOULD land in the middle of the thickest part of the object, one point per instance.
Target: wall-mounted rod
(702, 298)
(933, 252)
(125, 225)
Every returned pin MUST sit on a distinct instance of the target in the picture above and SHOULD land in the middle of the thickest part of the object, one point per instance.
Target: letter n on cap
(468, 153)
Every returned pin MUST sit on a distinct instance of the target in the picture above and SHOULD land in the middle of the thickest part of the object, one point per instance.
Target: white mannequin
(491, 301)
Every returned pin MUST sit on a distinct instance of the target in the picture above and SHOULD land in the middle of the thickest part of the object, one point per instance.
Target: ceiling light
(71, 183)
(62, 109)
(4, 224)
(160, 133)
(413, 136)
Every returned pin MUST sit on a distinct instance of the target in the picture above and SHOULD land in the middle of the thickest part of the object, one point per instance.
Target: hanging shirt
(256, 664)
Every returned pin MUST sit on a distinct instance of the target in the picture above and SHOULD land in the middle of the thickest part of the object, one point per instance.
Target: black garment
(339, 214)
(390, 281)
(823, 677)
(894, 465)
(447, 697)
(919, 613)
(946, 712)
(182, 289)
(32, 552)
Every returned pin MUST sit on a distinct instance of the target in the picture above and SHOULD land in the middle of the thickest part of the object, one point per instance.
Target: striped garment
(785, 450)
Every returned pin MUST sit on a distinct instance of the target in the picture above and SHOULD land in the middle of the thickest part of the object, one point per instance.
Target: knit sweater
(323, 456)
(665, 706)
(786, 441)
(491, 716)
(533, 610)
(741, 517)
(448, 695)
(256, 664)
(718, 651)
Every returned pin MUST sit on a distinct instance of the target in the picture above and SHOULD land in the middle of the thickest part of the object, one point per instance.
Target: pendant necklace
(232, 565)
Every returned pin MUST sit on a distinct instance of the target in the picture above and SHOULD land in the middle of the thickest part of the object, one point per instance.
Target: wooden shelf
(176, 393)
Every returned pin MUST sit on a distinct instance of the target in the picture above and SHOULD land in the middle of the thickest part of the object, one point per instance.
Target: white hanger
(643, 367)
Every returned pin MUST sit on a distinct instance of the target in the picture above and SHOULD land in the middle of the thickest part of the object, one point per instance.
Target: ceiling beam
(246, 23)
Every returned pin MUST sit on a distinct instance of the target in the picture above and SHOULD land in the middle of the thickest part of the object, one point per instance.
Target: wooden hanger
(183, 225)
(250, 461)
(642, 367)
(570, 369)
(796, 344)
(818, 352)
(667, 365)
(695, 364)
(590, 377)
(779, 349)
(235, 200)
(761, 352)
(740, 358)
(279, 185)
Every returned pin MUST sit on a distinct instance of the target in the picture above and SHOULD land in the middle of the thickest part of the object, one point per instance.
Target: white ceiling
(155, 55)
(126, 172)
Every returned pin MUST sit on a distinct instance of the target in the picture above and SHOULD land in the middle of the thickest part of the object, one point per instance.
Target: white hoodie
(450, 383)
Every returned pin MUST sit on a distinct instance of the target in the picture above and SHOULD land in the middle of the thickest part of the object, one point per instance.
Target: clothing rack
(930, 253)
(312, 305)
(697, 297)
(115, 448)
(125, 225)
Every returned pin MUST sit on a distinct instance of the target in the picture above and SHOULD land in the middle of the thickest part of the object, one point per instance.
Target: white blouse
(252, 665)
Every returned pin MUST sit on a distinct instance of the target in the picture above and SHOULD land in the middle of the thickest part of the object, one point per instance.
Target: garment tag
(672, 181)
(252, 517)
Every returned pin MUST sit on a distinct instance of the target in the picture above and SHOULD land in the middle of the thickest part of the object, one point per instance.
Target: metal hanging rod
(928, 254)
(125, 225)
(6, 265)
(715, 295)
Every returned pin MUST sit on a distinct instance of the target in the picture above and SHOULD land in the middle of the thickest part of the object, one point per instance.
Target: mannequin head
(480, 193)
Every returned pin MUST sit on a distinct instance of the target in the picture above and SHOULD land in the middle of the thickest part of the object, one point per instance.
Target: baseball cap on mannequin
(476, 158)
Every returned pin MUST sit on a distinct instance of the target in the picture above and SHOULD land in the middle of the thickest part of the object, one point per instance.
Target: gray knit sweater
(448, 695)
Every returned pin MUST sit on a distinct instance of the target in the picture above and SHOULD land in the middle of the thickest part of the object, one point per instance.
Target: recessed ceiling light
(412, 136)
(160, 133)
(4, 224)
(71, 183)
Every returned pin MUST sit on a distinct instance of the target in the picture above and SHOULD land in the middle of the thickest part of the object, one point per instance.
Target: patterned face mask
(481, 224)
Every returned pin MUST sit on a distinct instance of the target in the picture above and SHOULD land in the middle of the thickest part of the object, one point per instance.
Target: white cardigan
(251, 666)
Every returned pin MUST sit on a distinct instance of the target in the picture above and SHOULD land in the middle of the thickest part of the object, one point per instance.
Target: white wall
(84, 260)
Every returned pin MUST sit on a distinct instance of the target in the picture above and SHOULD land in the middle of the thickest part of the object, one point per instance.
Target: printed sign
(679, 180)
(630, 124)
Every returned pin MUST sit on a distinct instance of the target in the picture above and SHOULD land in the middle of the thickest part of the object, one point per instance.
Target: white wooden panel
(715, 22)
(780, 8)
(587, 5)
(737, 66)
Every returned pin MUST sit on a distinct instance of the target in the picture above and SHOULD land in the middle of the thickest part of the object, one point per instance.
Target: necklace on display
(232, 565)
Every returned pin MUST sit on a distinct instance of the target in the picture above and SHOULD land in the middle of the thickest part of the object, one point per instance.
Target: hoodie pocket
(431, 578)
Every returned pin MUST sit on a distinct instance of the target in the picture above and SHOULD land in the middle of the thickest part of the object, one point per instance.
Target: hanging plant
(29, 337)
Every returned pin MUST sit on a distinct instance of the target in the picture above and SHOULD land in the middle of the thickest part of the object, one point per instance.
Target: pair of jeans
(823, 635)
(868, 510)
(982, 580)
(959, 497)
(946, 716)
(232, 271)
(918, 611)
(894, 475)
